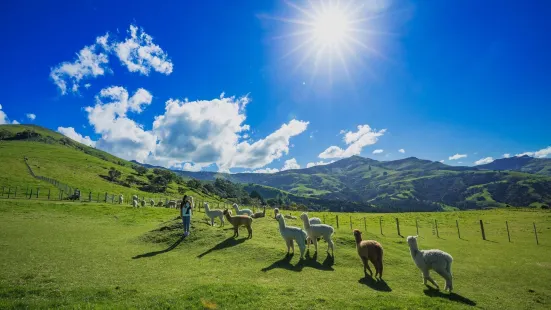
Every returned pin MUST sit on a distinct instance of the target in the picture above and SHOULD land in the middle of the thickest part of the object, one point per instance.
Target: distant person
(185, 212)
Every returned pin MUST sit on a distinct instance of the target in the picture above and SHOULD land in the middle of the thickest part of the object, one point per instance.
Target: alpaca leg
(302, 248)
(292, 245)
(236, 231)
(221, 220)
(315, 244)
(330, 245)
(426, 276)
(366, 266)
(250, 230)
(444, 273)
(380, 267)
(288, 246)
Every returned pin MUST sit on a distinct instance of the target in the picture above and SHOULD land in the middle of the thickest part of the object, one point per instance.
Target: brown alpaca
(259, 214)
(239, 220)
(370, 250)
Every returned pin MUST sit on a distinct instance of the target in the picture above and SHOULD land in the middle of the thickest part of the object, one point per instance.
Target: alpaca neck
(413, 249)
(358, 239)
(306, 222)
(228, 217)
(281, 223)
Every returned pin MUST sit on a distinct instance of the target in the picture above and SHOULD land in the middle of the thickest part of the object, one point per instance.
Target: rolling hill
(522, 164)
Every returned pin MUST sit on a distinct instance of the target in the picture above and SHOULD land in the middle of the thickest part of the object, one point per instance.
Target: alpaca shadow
(170, 248)
(376, 284)
(285, 263)
(431, 292)
(492, 241)
(228, 243)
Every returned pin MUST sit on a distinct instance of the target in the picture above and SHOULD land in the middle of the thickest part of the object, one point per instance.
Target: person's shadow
(376, 284)
(170, 248)
(223, 245)
(431, 292)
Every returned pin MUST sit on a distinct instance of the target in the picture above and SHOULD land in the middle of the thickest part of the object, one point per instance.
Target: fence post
(337, 220)
(350, 221)
(482, 230)
(106, 197)
(436, 225)
(3, 188)
(97, 200)
(324, 219)
(90, 196)
(508, 234)
(458, 233)
(15, 194)
(61, 195)
(9, 192)
(365, 225)
(417, 226)
(31, 194)
(37, 191)
(536, 234)
(49, 191)
(398, 227)
(381, 225)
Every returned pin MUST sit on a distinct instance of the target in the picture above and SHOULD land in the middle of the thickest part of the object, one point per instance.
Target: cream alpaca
(290, 233)
(318, 230)
(242, 211)
(437, 260)
(214, 213)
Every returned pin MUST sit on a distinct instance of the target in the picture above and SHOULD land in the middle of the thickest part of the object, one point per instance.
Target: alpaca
(152, 202)
(214, 213)
(369, 250)
(318, 230)
(291, 217)
(242, 211)
(437, 260)
(259, 214)
(121, 199)
(159, 204)
(134, 197)
(134, 203)
(276, 211)
(171, 204)
(290, 233)
(142, 202)
(239, 220)
(314, 220)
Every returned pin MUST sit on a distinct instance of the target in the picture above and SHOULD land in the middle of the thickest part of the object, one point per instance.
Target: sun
(325, 32)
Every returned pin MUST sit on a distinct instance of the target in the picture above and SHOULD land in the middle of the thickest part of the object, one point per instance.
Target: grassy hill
(55, 156)
(410, 184)
(81, 255)
(522, 164)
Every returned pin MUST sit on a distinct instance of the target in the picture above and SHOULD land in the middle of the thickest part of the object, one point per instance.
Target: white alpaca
(437, 260)
(152, 202)
(291, 217)
(242, 211)
(290, 233)
(134, 203)
(315, 220)
(314, 231)
(121, 199)
(134, 197)
(214, 213)
(171, 204)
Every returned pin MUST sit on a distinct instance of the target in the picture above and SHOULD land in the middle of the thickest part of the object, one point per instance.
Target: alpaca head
(206, 204)
(227, 212)
(357, 234)
(412, 241)
(279, 217)
(304, 216)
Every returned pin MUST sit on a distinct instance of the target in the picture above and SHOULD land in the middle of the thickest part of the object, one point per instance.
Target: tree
(254, 194)
(181, 190)
(131, 179)
(194, 183)
(141, 170)
(114, 174)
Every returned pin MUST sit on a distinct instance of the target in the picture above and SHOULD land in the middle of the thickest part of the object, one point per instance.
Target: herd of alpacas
(314, 230)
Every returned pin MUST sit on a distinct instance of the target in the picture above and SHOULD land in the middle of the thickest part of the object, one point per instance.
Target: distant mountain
(523, 164)
(408, 184)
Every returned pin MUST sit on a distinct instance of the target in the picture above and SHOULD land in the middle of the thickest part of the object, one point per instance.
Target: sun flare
(331, 27)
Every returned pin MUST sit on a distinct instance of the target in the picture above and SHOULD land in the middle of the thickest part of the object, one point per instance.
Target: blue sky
(260, 85)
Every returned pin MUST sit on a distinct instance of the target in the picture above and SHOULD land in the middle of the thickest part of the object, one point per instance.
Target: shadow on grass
(285, 263)
(228, 243)
(378, 285)
(431, 292)
(170, 248)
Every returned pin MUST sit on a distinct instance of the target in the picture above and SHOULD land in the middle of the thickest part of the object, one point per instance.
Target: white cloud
(507, 155)
(90, 62)
(265, 170)
(71, 133)
(31, 116)
(139, 54)
(3, 117)
(442, 161)
(402, 151)
(460, 162)
(120, 135)
(319, 163)
(355, 141)
(188, 167)
(379, 151)
(537, 154)
(483, 161)
(290, 164)
(457, 156)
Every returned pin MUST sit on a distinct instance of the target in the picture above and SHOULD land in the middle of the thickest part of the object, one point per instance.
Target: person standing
(185, 213)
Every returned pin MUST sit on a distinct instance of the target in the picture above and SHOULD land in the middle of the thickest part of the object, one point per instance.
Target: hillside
(409, 184)
(522, 164)
(55, 156)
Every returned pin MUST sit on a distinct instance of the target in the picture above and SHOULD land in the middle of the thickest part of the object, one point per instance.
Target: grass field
(76, 255)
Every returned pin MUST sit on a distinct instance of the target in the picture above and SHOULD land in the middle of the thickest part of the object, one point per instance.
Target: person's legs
(186, 224)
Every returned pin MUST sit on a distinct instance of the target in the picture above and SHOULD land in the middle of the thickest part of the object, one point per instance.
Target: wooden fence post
(61, 195)
(458, 233)
(365, 225)
(90, 196)
(508, 234)
(49, 190)
(536, 234)
(337, 220)
(482, 230)
(381, 225)
(324, 219)
(436, 225)
(398, 227)
(3, 188)
(105, 197)
(350, 221)
(37, 191)
(417, 226)
(15, 194)
(9, 192)
(31, 194)
(97, 200)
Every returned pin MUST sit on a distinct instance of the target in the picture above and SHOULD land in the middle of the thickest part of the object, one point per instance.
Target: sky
(265, 86)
